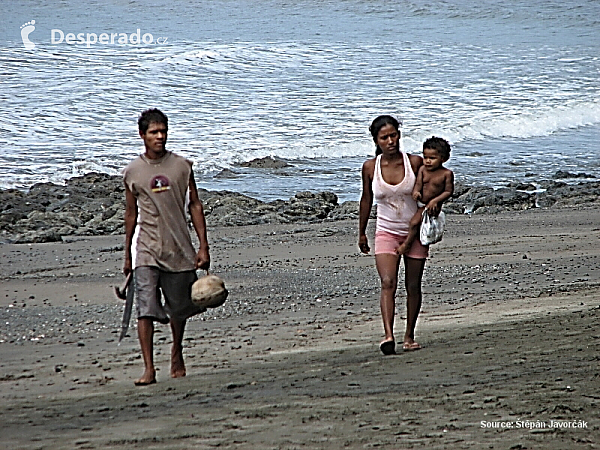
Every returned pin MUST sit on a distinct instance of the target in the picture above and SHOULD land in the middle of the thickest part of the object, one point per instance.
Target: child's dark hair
(149, 116)
(378, 124)
(441, 145)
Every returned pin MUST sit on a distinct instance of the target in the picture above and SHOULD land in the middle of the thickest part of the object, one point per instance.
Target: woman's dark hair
(149, 116)
(378, 124)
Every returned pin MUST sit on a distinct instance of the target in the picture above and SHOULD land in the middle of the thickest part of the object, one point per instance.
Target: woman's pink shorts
(388, 242)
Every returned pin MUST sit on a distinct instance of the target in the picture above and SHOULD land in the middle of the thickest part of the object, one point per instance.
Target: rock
(347, 210)
(94, 204)
(311, 206)
(226, 173)
(453, 208)
(509, 198)
(38, 237)
(472, 199)
(561, 174)
(273, 218)
(545, 201)
(460, 189)
(267, 162)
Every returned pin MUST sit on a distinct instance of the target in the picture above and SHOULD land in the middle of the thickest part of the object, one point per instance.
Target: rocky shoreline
(93, 205)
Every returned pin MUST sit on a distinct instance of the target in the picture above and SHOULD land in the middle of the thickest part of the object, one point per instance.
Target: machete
(125, 292)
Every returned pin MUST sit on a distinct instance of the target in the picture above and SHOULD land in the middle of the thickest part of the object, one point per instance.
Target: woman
(389, 178)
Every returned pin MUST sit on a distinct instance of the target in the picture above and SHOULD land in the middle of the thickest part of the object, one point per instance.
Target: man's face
(155, 138)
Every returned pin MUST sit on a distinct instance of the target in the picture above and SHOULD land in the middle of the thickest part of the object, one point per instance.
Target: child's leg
(413, 231)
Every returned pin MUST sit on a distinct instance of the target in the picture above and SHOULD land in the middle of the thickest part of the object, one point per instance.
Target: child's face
(432, 160)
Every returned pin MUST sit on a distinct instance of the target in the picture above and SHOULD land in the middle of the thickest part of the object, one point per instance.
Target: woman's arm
(365, 205)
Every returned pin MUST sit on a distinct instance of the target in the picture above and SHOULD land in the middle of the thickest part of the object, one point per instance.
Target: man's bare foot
(177, 365)
(149, 377)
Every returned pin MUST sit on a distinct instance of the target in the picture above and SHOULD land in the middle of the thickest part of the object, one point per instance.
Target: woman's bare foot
(410, 345)
(149, 377)
(177, 365)
(388, 347)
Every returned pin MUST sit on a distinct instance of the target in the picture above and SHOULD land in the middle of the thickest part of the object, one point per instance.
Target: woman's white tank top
(395, 205)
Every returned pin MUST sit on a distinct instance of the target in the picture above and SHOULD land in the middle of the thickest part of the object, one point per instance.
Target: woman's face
(388, 139)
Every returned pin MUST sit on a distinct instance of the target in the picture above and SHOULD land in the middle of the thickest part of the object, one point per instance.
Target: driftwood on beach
(93, 205)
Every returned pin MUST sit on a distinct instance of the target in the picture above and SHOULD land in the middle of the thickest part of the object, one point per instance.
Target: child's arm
(435, 204)
(418, 187)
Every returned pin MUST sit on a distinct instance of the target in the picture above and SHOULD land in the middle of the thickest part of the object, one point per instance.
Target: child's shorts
(386, 242)
(176, 288)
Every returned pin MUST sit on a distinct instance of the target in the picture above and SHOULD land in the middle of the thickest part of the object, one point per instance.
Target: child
(434, 185)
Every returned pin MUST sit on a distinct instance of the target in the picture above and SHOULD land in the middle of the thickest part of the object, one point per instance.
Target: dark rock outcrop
(268, 162)
(563, 174)
(94, 204)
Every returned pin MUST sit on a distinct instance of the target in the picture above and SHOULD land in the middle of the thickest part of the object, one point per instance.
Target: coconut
(209, 292)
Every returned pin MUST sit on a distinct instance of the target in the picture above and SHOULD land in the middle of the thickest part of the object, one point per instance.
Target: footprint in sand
(26, 30)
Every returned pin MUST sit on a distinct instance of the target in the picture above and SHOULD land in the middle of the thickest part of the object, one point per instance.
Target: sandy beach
(509, 329)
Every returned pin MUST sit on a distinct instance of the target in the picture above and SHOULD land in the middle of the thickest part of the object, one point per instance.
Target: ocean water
(514, 86)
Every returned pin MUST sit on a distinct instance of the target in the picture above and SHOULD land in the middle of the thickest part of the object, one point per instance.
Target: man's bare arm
(130, 221)
(199, 221)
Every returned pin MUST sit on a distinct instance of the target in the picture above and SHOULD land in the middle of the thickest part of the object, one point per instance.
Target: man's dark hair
(440, 145)
(149, 116)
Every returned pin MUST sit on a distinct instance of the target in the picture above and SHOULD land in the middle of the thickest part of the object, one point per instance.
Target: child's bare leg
(405, 246)
(413, 231)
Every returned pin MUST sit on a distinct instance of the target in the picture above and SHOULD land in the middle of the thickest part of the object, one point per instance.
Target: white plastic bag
(432, 228)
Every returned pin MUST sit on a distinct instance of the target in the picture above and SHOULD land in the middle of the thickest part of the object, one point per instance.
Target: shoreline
(509, 329)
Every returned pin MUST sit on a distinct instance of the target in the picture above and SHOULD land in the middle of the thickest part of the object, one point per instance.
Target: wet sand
(509, 330)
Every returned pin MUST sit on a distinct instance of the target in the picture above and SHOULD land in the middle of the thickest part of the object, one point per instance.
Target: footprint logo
(26, 30)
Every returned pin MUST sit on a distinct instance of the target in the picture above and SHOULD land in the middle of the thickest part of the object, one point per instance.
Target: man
(159, 185)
